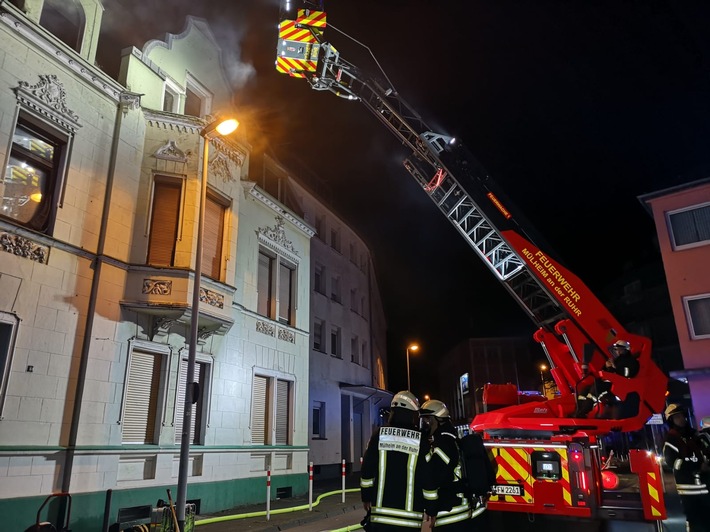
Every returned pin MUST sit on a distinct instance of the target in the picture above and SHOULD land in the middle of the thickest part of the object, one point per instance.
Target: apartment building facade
(98, 238)
(682, 218)
(348, 361)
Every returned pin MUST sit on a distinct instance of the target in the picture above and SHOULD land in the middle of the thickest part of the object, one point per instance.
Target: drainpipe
(126, 99)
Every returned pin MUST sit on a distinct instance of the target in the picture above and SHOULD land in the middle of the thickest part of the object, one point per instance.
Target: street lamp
(210, 131)
(543, 367)
(410, 347)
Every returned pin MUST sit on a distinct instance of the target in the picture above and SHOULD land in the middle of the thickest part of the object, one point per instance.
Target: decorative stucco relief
(287, 336)
(265, 327)
(159, 287)
(211, 298)
(24, 247)
(49, 99)
(170, 152)
(277, 234)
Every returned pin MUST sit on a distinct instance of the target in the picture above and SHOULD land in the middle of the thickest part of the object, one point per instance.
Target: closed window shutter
(258, 411)
(263, 287)
(285, 303)
(141, 402)
(212, 239)
(164, 223)
(180, 404)
(282, 411)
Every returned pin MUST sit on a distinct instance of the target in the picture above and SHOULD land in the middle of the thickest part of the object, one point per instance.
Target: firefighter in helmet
(445, 505)
(600, 393)
(392, 468)
(683, 453)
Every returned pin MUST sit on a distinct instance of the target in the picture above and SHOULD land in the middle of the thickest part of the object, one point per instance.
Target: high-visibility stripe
(395, 512)
(396, 522)
(316, 19)
(381, 473)
(289, 32)
(294, 67)
(514, 467)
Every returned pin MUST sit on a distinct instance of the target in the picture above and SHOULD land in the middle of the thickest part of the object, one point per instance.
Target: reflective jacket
(443, 489)
(682, 451)
(390, 479)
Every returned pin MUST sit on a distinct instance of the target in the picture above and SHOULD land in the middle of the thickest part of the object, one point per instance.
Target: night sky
(574, 108)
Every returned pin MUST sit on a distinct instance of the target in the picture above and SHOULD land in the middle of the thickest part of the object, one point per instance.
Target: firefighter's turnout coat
(682, 451)
(390, 479)
(443, 489)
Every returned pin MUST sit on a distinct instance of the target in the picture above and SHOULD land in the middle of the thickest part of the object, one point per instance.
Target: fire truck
(549, 458)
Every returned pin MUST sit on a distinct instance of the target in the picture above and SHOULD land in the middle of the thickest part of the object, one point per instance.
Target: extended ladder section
(436, 162)
(574, 328)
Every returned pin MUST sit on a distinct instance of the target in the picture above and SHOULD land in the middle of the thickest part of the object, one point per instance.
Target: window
(318, 330)
(169, 100)
(353, 300)
(272, 411)
(318, 419)
(353, 253)
(8, 332)
(697, 310)
(270, 277)
(198, 100)
(164, 221)
(199, 406)
(171, 96)
(65, 20)
(142, 410)
(213, 236)
(354, 350)
(690, 226)
(335, 341)
(320, 227)
(335, 239)
(33, 174)
(335, 289)
(285, 293)
(319, 279)
(365, 356)
(264, 284)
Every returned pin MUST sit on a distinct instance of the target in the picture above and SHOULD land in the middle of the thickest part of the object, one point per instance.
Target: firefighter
(682, 452)
(390, 479)
(445, 505)
(599, 393)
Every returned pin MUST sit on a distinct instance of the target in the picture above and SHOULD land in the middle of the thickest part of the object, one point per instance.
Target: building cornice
(253, 190)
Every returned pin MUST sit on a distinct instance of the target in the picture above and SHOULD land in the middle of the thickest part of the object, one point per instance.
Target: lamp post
(210, 131)
(543, 367)
(410, 347)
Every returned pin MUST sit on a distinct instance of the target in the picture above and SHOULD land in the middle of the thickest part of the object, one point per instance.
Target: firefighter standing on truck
(445, 507)
(390, 479)
(682, 451)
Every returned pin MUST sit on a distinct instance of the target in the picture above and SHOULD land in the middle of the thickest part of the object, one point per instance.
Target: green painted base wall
(87, 509)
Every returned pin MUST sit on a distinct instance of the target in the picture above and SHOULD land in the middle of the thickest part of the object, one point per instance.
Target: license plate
(508, 489)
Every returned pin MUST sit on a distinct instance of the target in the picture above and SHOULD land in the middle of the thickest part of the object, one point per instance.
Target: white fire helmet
(434, 408)
(405, 399)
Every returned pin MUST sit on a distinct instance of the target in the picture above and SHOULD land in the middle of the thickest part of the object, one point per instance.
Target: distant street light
(209, 132)
(543, 368)
(410, 347)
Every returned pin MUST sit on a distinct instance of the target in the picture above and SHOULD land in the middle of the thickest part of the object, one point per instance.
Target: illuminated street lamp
(410, 347)
(209, 132)
(543, 368)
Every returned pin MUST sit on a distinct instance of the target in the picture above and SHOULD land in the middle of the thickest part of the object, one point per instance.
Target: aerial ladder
(549, 461)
